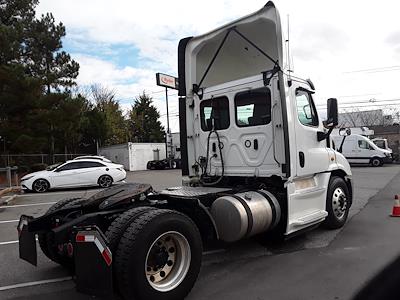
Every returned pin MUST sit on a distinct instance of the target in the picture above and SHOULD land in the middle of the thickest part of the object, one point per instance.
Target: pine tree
(144, 121)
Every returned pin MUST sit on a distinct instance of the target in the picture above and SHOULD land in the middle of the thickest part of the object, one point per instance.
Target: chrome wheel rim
(376, 162)
(167, 261)
(105, 181)
(40, 185)
(339, 203)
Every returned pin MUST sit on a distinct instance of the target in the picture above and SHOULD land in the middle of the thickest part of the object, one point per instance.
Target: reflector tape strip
(99, 245)
(89, 238)
(80, 238)
(107, 256)
(103, 249)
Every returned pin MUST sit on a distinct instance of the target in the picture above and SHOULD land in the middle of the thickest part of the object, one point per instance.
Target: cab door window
(253, 108)
(364, 145)
(306, 111)
(214, 113)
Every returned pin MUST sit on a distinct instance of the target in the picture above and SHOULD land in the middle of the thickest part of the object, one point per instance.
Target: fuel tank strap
(248, 211)
(271, 203)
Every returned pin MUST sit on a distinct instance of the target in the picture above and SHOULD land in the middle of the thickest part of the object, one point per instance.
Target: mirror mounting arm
(324, 135)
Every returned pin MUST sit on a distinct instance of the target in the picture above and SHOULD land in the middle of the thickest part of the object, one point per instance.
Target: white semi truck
(256, 160)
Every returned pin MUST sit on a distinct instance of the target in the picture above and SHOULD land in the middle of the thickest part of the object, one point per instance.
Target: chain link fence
(34, 162)
(9, 177)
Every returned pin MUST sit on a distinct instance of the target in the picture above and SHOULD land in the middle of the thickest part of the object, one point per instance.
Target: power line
(370, 101)
(375, 70)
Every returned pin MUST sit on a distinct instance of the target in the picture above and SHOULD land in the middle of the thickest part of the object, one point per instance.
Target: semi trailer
(256, 160)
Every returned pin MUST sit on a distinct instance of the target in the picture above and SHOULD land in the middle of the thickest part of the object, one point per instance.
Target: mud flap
(93, 263)
(27, 241)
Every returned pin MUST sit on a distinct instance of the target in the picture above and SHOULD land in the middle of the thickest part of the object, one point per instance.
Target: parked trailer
(256, 160)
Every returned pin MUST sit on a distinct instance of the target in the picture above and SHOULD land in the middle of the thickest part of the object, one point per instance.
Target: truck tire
(46, 240)
(159, 256)
(337, 203)
(376, 162)
(121, 223)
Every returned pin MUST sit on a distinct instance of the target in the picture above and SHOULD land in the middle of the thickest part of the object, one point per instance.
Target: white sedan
(74, 173)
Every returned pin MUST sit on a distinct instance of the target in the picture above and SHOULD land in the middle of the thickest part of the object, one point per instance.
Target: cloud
(128, 83)
(327, 39)
(315, 41)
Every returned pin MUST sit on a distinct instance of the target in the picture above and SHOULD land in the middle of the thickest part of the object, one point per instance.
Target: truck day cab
(256, 160)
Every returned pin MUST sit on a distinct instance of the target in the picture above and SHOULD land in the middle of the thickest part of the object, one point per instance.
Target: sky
(350, 49)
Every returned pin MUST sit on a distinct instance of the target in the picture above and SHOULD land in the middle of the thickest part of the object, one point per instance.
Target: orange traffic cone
(396, 207)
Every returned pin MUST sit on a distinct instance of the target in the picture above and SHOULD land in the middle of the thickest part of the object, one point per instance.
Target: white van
(361, 150)
(382, 143)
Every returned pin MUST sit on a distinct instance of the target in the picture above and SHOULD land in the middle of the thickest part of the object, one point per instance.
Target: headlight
(26, 178)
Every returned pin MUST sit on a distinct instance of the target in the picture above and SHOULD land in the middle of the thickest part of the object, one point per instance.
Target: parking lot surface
(320, 264)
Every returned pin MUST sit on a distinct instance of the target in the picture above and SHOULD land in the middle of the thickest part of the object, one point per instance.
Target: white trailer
(134, 156)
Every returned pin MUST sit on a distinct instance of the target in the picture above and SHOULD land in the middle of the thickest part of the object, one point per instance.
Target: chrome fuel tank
(242, 215)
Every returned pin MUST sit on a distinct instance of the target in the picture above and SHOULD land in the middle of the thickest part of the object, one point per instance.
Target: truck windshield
(380, 143)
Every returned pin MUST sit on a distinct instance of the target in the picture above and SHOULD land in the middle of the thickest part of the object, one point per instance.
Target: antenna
(288, 45)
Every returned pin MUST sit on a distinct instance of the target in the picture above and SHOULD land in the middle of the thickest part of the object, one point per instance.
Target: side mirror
(344, 131)
(332, 114)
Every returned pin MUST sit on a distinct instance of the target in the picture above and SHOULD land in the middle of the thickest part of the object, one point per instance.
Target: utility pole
(168, 139)
(167, 81)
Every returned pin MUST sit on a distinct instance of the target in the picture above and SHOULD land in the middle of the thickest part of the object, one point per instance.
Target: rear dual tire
(158, 256)
(46, 240)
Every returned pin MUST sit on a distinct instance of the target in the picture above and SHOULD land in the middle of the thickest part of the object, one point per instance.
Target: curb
(4, 200)
(7, 199)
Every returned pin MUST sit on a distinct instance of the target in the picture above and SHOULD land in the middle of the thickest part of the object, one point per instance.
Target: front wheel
(337, 203)
(376, 162)
(159, 256)
(105, 181)
(40, 186)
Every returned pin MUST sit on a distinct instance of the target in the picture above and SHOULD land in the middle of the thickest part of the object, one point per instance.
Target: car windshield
(52, 167)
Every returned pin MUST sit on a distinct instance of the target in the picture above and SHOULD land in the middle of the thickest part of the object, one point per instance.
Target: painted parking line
(33, 283)
(27, 205)
(9, 221)
(59, 193)
(214, 251)
(13, 242)
(9, 243)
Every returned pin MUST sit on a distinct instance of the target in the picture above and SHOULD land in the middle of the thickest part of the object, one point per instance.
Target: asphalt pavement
(320, 264)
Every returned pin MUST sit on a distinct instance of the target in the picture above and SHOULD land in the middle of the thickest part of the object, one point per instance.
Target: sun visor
(243, 48)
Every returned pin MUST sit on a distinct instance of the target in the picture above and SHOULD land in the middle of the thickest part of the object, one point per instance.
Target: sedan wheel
(40, 186)
(105, 181)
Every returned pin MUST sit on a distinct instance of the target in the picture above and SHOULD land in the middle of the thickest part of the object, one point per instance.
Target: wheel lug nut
(170, 262)
(162, 274)
(171, 250)
(148, 269)
(152, 278)
(167, 239)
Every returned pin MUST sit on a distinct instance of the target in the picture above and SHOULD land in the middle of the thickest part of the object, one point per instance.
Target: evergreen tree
(144, 121)
(44, 59)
